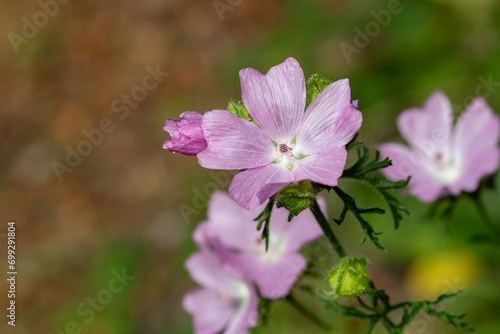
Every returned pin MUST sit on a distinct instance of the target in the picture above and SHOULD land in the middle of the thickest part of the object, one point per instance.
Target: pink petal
(325, 167)
(254, 186)
(232, 224)
(477, 128)
(428, 129)
(207, 270)
(246, 317)
(274, 280)
(210, 315)
(276, 101)
(402, 164)
(414, 163)
(330, 120)
(302, 229)
(479, 164)
(233, 143)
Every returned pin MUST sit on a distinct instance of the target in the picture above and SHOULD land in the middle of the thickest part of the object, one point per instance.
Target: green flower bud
(350, 278)
(296, 197)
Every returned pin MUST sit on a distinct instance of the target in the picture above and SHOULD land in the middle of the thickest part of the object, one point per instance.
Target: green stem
(389, 325)
(323, 223)
(310, 315)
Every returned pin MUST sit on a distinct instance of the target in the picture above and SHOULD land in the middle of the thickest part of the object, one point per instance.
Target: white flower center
(287, 154)
(235, 296)
(446, 170)
(275, 251)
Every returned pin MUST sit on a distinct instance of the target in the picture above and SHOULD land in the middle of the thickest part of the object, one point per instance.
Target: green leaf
(265, 218)
(314, 85)
(350, 205)
(237, 108)
(360, 170)
(362, 167)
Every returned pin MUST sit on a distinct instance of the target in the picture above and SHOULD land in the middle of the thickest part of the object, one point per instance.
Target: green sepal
(296, 197)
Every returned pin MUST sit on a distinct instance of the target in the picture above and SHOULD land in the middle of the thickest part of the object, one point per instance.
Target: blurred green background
(118, 209)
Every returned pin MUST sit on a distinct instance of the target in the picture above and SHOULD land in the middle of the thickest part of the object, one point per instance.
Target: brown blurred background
(118, 208)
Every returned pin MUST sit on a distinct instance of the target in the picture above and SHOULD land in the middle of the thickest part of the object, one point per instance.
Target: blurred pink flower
(288, 145)
(441, 158)
(226, 303)
(186, 134)
(231, 229)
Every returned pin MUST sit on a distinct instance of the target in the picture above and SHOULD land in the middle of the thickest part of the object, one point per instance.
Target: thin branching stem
(327, 230)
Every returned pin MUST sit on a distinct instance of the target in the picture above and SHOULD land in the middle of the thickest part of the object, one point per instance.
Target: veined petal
(330, 119)
(210, 315)
(254, 186)
(276, 101)
(428, 129)
(233, 143)
(324, 167)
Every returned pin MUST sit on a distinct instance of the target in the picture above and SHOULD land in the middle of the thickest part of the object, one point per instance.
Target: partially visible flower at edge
(231, 229)
(186, 134)
(441, 158)
(226, 302)
(288, 145)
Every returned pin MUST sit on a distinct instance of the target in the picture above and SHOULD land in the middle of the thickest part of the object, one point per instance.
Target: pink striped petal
(276, 101)
(330, 120)
(233, 143)
(325, 167)
(254, 186)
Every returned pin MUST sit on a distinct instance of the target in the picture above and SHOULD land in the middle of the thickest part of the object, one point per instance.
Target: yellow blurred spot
(446, 272)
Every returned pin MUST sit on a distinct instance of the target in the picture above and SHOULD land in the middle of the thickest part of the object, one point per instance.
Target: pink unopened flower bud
(186, 134)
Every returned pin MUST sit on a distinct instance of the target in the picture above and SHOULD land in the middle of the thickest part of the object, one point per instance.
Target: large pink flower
(441, 158)
(227, 303)
(231, 229)
(288, 145)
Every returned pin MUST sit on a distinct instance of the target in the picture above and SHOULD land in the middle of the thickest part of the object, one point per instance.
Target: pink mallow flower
(288, 145)
(441, 158)
(227, 303)
(186, 134)
(232, 230)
